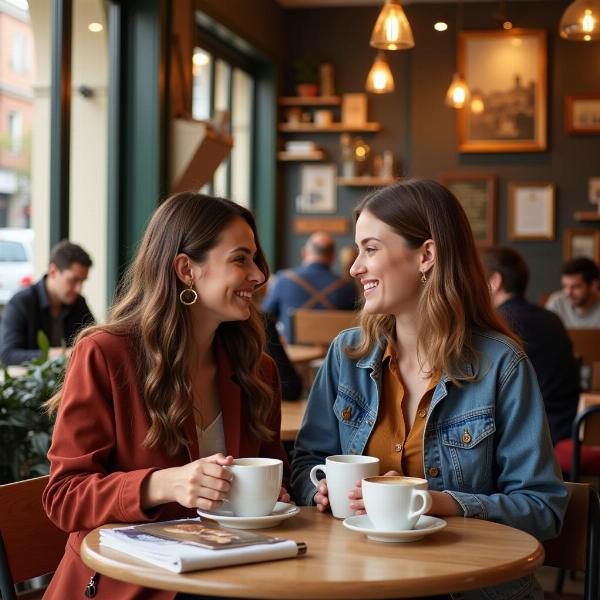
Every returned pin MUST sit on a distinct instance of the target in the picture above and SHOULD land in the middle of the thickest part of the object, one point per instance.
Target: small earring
(423, 278)
(188, 296)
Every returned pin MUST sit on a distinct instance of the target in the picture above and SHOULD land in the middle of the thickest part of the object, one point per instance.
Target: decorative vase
(307, 89)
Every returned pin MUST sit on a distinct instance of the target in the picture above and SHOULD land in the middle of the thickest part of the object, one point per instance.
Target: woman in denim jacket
(433, 383)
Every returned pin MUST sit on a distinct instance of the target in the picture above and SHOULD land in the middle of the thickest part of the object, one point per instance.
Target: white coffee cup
(255, 486)
(342, 472)
(395, 503)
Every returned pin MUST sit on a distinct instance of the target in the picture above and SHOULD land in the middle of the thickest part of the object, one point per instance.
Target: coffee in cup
(255, 486)
(342, 472)
(395, 503)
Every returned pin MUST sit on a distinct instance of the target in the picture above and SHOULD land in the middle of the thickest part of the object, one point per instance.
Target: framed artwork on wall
(582, 114)
(477, 194)
(506, 72)
(531, 211)
(580, 243)
(317, 189)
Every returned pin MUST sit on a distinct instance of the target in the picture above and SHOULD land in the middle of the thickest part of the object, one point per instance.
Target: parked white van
(16, 261)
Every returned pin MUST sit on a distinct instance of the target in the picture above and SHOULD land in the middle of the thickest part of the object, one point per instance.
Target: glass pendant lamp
(458, 93)
(392, 30)
(581, 21)
(380, 79)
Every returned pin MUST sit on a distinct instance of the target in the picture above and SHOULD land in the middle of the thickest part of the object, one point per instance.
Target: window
(18, 52)
(223, 82)
(15, 131)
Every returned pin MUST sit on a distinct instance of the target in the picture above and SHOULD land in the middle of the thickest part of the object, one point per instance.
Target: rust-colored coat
(98, 462)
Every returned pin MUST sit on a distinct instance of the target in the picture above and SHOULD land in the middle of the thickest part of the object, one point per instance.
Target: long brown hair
(456, 298)
(159, 327)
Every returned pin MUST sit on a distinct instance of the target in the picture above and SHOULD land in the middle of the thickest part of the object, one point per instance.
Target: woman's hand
(283, 495)
(442, 504)
(321, 498)
(201, 484)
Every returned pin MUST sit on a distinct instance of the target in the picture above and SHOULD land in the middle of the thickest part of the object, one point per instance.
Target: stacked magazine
(191, 544)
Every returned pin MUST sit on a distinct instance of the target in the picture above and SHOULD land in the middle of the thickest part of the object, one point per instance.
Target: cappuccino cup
(395, 503)
(255, 486)
(342, 472)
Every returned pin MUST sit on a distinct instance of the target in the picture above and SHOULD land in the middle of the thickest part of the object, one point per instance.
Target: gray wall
(421, 131)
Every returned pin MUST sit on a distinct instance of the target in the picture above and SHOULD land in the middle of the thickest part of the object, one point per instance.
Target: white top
(571, 318)
(212, 439)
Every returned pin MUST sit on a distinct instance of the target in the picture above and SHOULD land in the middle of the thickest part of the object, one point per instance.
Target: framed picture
(477, 194)
(354, 109)
(580, 243)
(531, 211)
(594, 191)
(333, 225)
(582, 114)
(317, 189)
(506, 75)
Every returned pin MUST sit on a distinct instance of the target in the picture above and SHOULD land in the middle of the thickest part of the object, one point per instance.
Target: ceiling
(324, 3)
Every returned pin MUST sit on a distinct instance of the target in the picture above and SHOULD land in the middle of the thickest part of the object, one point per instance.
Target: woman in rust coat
(158, 401)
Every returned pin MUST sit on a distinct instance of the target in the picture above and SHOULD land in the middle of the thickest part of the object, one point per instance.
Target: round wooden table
(340, 563)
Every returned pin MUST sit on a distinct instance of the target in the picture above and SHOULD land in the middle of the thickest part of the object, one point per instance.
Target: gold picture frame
(581, 243)
(531, 211)
(506, 72)
(477, 194)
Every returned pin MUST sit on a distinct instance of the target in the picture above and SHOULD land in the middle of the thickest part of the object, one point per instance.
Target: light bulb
(588, 22)
(579, 22)
(458, 93)
(440, 26)
(392, 30)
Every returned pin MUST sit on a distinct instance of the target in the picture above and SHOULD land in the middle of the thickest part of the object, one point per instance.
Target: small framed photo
(318, 189)
(531, 211)
(594, 191)
(582, 243)
(477, 194)
(354, 109)
(582, 114)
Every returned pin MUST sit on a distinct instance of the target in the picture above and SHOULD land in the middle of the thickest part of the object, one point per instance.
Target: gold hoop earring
(423, 278)
(188, 296)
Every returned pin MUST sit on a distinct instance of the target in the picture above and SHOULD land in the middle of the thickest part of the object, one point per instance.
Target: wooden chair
(30, 545)
(586, 344)
(576, 548)
(319, 327)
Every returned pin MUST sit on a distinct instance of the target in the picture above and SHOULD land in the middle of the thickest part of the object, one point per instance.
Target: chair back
(319, 327)
(576, 548)
(32, 544)
(586, 344)
(595, 385)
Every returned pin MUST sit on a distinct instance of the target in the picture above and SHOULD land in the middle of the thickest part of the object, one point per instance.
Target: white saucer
(224, 517)
(425, 526)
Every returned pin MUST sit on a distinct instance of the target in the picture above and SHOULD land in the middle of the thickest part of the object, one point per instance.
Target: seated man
(578, 304)
(53, 305)
(544, 337)
(311, 285)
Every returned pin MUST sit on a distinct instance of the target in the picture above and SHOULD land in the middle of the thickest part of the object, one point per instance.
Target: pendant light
(458, 94)
(392, 30)
(380, 79)
(581, 21)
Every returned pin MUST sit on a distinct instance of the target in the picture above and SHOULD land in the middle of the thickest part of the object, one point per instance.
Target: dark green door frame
(138, 170)
(60, 120)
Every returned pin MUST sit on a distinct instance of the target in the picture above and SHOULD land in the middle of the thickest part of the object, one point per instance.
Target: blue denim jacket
(503, 470)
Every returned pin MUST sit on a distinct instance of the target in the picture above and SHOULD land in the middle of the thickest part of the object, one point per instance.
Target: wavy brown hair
(456, 298)
(159, 327)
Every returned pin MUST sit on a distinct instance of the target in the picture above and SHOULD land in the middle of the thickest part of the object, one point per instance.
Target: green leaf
(43, 344)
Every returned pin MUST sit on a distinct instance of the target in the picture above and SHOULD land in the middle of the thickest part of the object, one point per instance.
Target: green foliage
(306, 70)
(25, 428)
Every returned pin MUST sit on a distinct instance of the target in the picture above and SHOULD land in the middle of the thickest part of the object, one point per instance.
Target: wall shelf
(589, 216)
(309, 101)
(365, 181)
(301, 156)
(333, 128)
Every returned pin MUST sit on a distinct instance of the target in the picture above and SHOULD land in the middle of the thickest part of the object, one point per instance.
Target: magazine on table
(191, 544)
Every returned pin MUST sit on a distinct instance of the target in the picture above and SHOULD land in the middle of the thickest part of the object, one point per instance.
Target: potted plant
(306, 76)
(25, 428)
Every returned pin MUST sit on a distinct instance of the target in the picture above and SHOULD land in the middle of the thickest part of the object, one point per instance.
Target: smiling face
(387, 267)
(226, 280)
